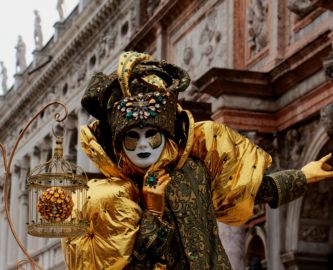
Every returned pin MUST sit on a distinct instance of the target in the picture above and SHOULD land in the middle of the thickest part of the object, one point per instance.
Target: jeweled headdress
(142, 92)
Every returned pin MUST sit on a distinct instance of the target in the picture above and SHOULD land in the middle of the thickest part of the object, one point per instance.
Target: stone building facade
(262, 67)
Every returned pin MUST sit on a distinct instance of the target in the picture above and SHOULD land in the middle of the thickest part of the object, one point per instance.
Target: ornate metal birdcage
(57, 197)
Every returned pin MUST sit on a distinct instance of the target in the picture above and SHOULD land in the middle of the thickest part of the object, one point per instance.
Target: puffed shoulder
(113, 217)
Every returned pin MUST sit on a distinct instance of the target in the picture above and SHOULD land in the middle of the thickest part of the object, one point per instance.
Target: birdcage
(57, 197)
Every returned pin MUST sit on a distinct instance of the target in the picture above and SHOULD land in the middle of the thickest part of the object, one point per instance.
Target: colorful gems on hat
(152, 113)
(129, 114)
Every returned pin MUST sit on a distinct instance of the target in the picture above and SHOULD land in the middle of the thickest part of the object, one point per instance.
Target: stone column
(161, 43)
(70, 129)
(274, 236)
(34, 161)
(3, 239)
(82, 159)
(233, 241)
(14, 211)
(45, 149)
(23, 216)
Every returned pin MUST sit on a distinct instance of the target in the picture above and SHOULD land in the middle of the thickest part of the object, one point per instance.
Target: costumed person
(167, 179)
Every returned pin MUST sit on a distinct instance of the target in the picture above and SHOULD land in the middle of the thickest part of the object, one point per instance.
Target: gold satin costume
(216, 174)
(235, 165)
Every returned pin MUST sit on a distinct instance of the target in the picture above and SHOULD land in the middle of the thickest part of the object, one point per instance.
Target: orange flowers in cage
(55, 204)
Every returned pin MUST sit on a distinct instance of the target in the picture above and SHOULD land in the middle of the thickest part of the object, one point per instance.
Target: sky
(17, 18)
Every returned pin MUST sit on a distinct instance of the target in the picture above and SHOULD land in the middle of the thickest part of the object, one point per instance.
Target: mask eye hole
(133, 135)
(151, 133)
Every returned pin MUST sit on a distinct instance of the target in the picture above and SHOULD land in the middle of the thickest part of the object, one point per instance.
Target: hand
(153, 190)
(316, 171)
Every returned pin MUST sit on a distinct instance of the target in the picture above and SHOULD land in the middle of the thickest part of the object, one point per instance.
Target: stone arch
(309, 224)
(256, 249)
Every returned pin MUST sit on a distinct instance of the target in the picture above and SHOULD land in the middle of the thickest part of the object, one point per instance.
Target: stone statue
(326, 119)
(4, 77)
(21, 63)
(300, 7)
(38, 34)
(257, 26)
(60, 9)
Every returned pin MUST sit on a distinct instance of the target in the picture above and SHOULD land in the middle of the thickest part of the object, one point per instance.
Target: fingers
(326, 158)
(328, 174)
(164, 180)
(327, 167)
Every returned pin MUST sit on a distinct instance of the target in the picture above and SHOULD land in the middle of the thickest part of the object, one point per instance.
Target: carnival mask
(143, 146)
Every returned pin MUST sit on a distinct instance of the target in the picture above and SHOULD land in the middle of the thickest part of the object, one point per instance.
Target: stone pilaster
(14, 191)
(3, 239)
(32, 242)
(233, 241)
(82, 159)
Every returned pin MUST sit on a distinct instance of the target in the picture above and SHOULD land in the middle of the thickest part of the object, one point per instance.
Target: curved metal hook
(8, 170)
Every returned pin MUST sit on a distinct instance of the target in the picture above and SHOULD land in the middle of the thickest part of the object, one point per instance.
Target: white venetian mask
(143, 146)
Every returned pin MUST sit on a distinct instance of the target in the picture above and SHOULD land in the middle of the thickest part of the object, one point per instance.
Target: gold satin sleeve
(236, 167)
(113, 220)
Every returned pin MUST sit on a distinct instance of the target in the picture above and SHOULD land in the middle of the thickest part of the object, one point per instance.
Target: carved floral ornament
(205, 48)
(257, 14)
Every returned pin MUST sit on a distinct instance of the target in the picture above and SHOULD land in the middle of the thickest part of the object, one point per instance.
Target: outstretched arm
(285, 186)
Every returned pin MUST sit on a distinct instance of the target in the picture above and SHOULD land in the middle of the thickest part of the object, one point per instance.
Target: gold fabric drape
(236, 167)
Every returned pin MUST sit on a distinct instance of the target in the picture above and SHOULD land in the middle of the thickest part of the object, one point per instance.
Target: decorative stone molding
(301, 7)
(326, 4)
(21, 104)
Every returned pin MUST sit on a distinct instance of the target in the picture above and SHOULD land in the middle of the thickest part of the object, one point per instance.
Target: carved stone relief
(316, 216)
(300, 7)
(318, 202)
(326, 119)
(205, 45)
(209, 38)
(257, 14)
(294, 147)
(313, 233)
(294, 142)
